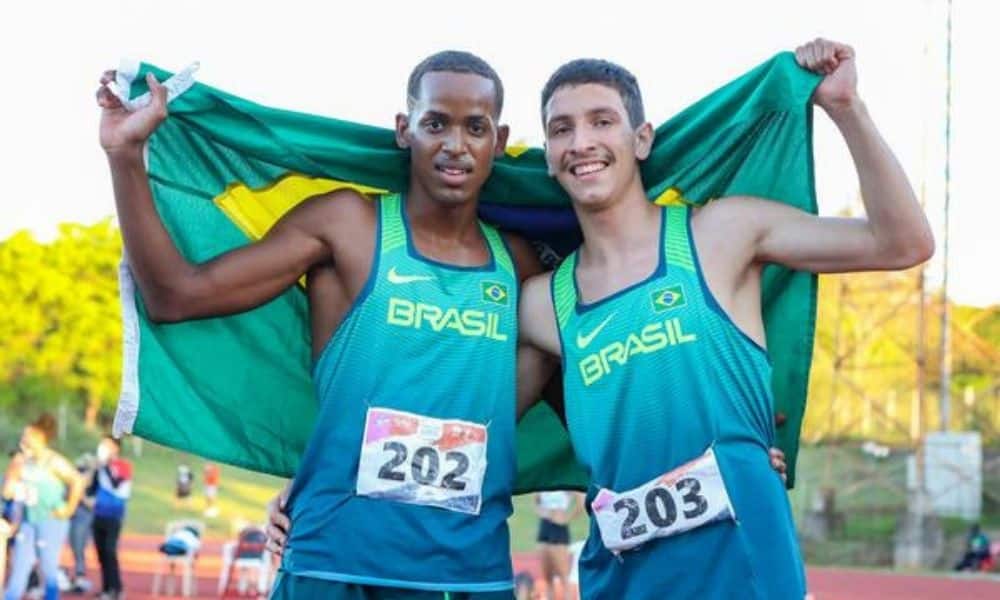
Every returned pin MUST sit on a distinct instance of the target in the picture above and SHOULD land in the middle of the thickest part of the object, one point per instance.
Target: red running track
(140, 560)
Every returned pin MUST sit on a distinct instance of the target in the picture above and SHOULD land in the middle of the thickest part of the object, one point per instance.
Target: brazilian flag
(223, 169)
(668, 297)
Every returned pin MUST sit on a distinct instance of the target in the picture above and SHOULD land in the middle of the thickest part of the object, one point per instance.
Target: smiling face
(453, 136)
(590, 145)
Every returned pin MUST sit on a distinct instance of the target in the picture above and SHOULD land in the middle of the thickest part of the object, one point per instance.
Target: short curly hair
(453, 61)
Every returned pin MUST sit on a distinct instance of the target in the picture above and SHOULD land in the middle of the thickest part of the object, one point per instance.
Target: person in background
(524, 586)
(185, 480)
(977, 550)
(211, 474)
(12, 501)
(13, 491)
(52, 488)
(113, 487)
(81, 523)
(573, 582)
(555, 511)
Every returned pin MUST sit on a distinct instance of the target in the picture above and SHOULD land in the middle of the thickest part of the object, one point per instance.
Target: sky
(352, 62)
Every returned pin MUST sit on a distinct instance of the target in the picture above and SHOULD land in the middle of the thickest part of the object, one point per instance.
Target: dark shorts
(552, 533)
(295, 587)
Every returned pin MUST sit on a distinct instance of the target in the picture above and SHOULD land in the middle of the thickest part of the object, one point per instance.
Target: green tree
(61, 330)
(865, 365)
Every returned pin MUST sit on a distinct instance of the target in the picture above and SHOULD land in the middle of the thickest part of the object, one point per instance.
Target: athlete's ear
(402, 130)
(503, 132)
(644, 141)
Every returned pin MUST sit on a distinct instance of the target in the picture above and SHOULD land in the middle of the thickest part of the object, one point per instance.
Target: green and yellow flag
(223, 169)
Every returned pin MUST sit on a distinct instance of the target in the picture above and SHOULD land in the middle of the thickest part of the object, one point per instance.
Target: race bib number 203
(418, 459)
(687, 497)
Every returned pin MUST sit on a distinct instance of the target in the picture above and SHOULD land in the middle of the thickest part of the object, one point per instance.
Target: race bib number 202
(690, 496)
(418, 459)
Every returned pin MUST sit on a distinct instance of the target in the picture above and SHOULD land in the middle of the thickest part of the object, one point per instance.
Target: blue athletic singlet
(654, 376)
(407, 478)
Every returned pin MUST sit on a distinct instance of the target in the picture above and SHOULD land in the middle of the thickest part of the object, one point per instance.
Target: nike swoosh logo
(398, 279)
(582, 341)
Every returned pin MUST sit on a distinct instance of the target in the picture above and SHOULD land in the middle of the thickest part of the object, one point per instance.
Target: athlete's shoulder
(536, 288)
(343, 208)
(344, 220)
(740, 212)
(340, 199)
(732, 224)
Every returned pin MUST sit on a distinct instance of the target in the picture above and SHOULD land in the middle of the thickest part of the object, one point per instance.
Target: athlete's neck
(445, 231)
(443, 221)
(617, 234)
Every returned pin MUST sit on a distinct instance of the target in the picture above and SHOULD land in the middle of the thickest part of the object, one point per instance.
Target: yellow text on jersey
(651, 338)
(420, 315)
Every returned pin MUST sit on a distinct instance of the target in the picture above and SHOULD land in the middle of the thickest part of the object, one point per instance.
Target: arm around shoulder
(536, 315)
(538, 344)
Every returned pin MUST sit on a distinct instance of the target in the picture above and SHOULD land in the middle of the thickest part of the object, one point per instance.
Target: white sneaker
(82, 585)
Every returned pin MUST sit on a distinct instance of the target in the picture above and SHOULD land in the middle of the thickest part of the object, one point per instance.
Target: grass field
(242, 494)
(869, 493)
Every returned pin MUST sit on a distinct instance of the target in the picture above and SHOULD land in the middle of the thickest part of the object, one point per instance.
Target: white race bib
(417, 459)
(690, 496)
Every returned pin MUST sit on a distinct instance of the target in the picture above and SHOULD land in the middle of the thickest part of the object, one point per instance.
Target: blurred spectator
(977, 550)
(524, 586)
(52, 488)
(248, 552)
(113, 487)
(184, 540)
(573, 582)
(81, 523)
(212, 476)
(12, 497)
(184, 484)
(13, 492)
(555, 511)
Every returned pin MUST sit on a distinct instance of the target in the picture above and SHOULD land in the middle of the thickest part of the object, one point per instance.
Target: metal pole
(834, 384)
(921, 363)
(945, 309)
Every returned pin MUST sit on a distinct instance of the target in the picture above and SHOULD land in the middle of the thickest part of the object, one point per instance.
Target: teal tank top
(407, 478)
(654, 376)
(44, 491)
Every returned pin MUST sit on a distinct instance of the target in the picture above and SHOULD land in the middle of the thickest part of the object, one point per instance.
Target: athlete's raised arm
(175, 289)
